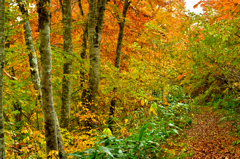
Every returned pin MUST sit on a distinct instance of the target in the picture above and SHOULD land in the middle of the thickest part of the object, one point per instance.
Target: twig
(11, 77)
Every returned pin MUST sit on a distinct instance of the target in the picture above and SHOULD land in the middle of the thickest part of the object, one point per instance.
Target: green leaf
(224, 118)
(105, 149)
(77, 154)
(142, 131)
(174, 130)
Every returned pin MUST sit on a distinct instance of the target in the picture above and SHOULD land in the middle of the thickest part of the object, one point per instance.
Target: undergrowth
(149, 135)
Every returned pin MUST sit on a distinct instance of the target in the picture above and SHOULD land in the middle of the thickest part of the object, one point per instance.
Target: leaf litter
(208, 138)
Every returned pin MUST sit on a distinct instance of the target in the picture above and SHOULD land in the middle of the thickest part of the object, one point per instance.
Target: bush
(147, 142)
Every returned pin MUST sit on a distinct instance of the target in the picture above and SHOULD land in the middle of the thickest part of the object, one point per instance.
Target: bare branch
(11, 77)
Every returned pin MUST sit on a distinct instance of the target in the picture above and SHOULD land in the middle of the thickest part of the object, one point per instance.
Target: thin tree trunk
(121, 23)
(32, 59)
(85, 33)
(67, 68)
(84, 42)
(46, 76)
(18, 117)
(95, 25)
(17, 107)
(61, 5)
(62, 154)
(83, 56)
(80, 7)
(35, 73)
(31, 55)
(2, 43)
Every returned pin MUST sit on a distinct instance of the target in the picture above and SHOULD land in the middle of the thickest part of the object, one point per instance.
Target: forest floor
(208, 137)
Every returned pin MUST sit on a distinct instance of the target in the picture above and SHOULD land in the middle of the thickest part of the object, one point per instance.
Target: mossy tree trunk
(46, 75)
(31, 50)
(2, 47)
(95, 25)
(67, 67)
(52, 129)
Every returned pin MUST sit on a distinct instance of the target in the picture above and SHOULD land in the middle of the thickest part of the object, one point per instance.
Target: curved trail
(207, 138)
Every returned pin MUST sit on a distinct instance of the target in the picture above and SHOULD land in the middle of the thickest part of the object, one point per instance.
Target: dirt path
(207, 138)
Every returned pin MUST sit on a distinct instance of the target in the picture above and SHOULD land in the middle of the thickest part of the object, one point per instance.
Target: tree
(31, 50)
(84, 38)
(121, 23)
(52, 131)
(2, 43)
(95, 25)
(83, 53)
(67, 67)
(34, 68)
(226, 9)
(46, 75)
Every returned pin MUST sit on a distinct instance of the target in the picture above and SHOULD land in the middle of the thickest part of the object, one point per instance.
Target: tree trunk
(17, 107)
(32, 59)
(95, 25)
(85, 34)
(46, 76)
(84, 42)
(121, 23)
(32, 53)
(83, 57)
(34, 70)
(2, 43)
(67, 68)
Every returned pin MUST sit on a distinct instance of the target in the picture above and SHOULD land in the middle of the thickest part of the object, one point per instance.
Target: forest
(127, 79)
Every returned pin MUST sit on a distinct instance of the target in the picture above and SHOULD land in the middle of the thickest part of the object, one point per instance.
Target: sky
(191, 3)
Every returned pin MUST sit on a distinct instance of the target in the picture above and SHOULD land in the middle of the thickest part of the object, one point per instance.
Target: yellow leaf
(24, 131)
(123, 130)
(26, 140)
(107, 131)
(152, 110)
(124, 72)
(142, 102)
(126, 121)
(53, 154)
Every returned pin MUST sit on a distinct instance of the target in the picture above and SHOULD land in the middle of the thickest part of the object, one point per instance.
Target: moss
(43, 13)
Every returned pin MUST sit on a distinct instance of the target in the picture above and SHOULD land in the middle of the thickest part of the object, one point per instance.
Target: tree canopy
(114, 78)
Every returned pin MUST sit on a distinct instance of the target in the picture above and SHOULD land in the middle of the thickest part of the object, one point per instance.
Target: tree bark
(95, 25)
(2, 43)
(67, 68)
(83, 56)
(31, 50)
(84, 42)
(121, 23)
(46, 76)
(85, 33)
(34, 70)
(80, 7)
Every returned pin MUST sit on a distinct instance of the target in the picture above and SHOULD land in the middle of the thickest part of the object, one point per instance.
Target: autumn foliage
(169, 59)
